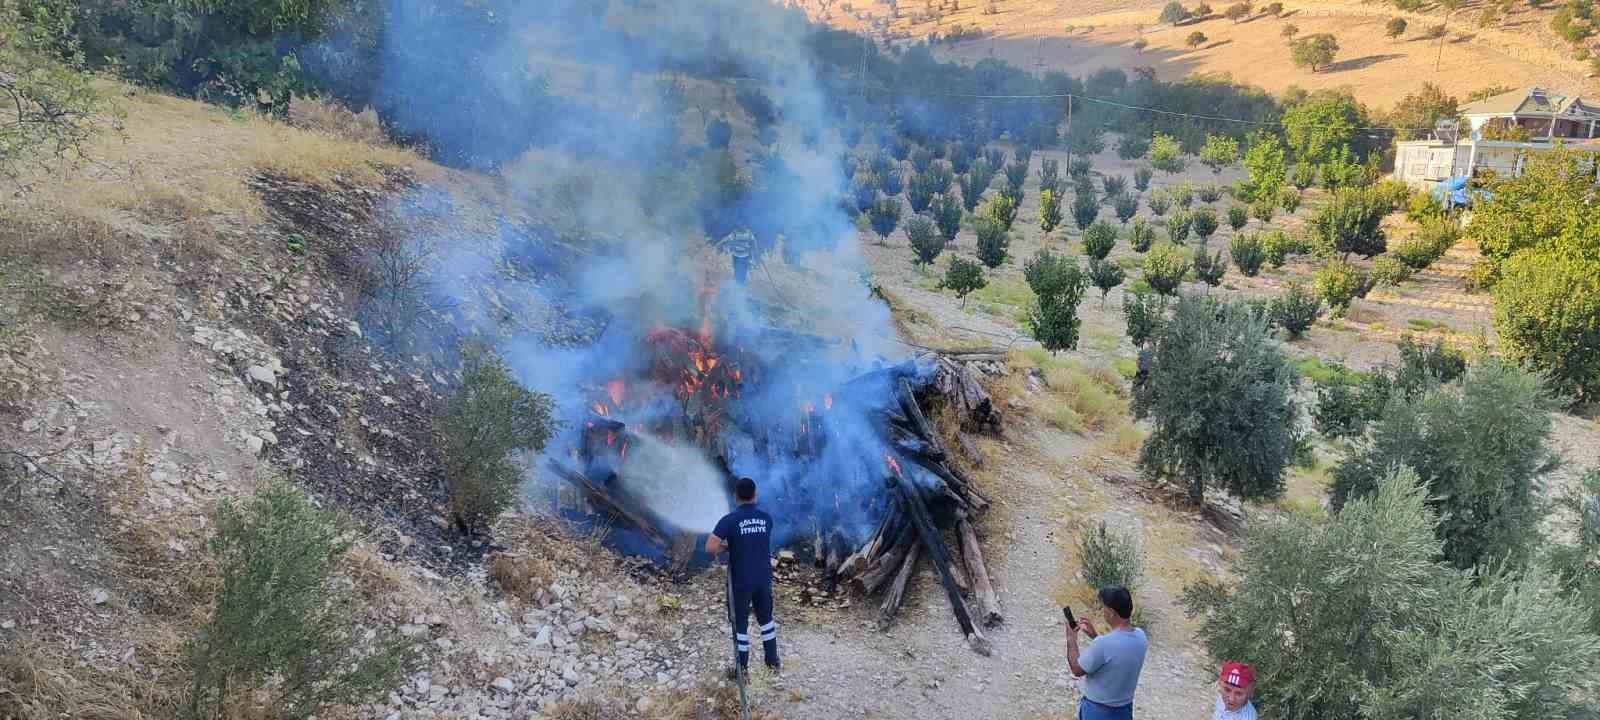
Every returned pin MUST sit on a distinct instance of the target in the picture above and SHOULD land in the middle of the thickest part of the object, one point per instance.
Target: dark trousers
(761, 597)
(1091, 710)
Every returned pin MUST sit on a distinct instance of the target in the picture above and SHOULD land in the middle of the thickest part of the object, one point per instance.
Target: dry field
(1080, 37)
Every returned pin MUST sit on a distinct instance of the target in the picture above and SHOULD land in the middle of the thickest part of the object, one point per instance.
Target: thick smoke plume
(594, 114)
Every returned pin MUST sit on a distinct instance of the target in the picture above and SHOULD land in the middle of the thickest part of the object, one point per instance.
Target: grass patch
(1328, 373)
(1004, 292)
(1424, 324)
(1083, 398)
(1130, 262)
(1126, 367)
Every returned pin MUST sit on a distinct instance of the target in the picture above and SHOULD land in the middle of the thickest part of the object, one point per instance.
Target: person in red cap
(1234, 686)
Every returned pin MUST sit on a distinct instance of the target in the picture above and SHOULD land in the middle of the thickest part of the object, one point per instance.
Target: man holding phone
(1111, 664)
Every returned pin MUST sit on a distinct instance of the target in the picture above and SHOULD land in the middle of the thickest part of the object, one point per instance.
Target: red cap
(1237, 674)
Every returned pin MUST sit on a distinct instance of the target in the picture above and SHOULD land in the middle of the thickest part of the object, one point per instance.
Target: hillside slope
(1078, 38)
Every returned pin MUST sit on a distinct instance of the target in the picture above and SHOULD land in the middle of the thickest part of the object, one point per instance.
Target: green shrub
(1480, 447)
(1182, 194)
(1208, 193)
(1203, 221)
(1427, 244)
(1278, 246)
(1214, 359)
(1110, 558)
(1340, 283)
(1340, 412)
(1289, 200)
(1381, 629)
(1238, 216)
(884, 216)
(1351, 222)
(282, 629)
(1304, 175)
(1105, 275)
(1164, 268)
(1003, 208)
(1296, 310)
(925, 240)
(1049, 210)
(1141, 178)
(1173, 13)
(1160, 202)
(963, 276)
(1080, 167)
(1099, 239)
(993, 241)
(1126, 207)
(1114, 185)
(946, 213)
(1209, 268)
(1143, 314)
(1423, 207)
(1178, 227)
(1141, 235)
(1058, 286)
(1577, 565)
(1085, 208)
(1247, 253)
(1219, 151)
(486, 424)
(1166, 154)
(1389, 271)
(1547, 312)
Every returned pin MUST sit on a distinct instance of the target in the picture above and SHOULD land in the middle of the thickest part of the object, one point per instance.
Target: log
(983, 589)
(897, 591)
(928, 533)
(925, 429)
(599, 496)
(970, 449)
(959, 386)
(881, 570)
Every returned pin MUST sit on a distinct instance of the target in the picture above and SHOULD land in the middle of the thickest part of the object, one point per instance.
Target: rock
(31, 425)
(643, 706)
(99, 596)
(504, 683)
(663, 678)
(254, 443)
(262, 374)
(785, 556)
(8, 625)
(570, 677)
(543, 638)
(413, 630)
(1016, 402)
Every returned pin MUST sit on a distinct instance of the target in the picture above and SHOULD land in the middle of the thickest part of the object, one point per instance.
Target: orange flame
(599, 408)
(611, 438)
(615, 389)
(622, 453)
(893, 465)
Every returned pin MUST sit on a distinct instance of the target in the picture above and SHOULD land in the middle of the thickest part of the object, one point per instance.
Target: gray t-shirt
(1113, 662)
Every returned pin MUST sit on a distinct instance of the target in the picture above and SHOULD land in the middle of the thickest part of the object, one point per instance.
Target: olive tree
(1216, 390)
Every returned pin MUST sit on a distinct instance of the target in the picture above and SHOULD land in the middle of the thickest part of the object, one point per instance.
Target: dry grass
(1084, 399)
(535, 546)
(710, 700)
(41, 680)
(334, 119)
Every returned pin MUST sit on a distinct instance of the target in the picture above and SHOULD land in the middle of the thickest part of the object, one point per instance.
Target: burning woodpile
(857, 474)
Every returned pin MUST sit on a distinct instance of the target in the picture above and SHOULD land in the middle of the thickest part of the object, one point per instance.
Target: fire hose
(738, 669)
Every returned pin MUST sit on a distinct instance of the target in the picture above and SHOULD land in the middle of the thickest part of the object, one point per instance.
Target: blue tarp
(1453, 192)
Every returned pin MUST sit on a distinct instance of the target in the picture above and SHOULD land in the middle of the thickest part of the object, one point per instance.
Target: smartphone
(1072, 622)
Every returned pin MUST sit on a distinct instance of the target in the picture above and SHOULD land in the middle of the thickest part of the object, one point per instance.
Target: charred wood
(939, 554)
(897, 591)
(983, 589)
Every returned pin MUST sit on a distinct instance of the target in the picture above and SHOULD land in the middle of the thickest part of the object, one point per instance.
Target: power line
(1174, 113)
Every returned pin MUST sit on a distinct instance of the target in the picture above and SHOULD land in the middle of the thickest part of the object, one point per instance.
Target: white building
(1500, 131)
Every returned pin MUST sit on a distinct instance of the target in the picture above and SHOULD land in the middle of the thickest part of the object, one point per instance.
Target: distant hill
(1080, 36)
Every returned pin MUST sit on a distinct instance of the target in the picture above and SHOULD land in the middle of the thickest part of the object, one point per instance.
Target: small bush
(1208, 193)
(1247, 253)
(993, 241)
(963, 276)
(1141, 178)
(1237, 217)
(1395, 27)
(1114, 185)
(1427, 244)
(1164, 268)
(1080, 167)
(1278, 246)
(490, 419)
(1304, 175)
(1387, 270)
(1289, 200)
(1098, 240)
(1178, 227)
(1142, 313)
(1196, 39)
(1422, 207)
(281, 629)
(1182, 194)
(1203, 222)
(1126, 207)
(1105, 276)
(1159, 202)
(926, 241)
(1110, 558)
(1340, 283)
(1209, 268)
(1141, 235)
(1263, 210)
(1296, 310)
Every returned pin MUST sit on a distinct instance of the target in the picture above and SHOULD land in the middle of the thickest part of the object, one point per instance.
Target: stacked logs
(929, 501)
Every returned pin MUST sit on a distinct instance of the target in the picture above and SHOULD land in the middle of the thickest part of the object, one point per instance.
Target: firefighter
(740, 244)
(746, 533)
